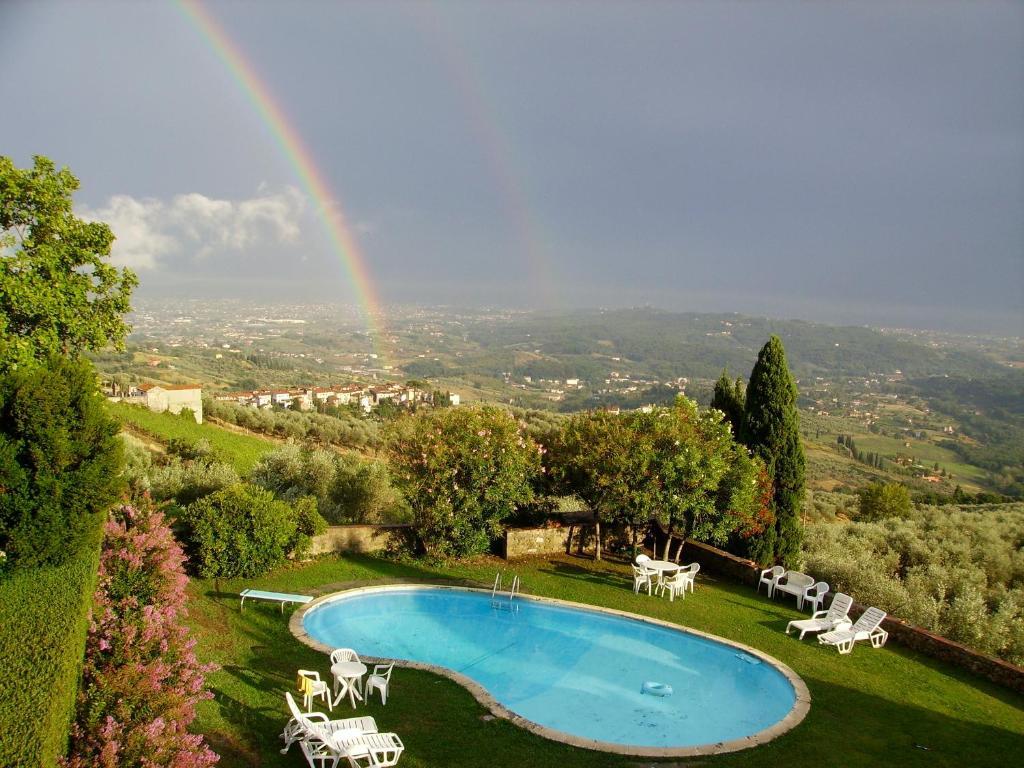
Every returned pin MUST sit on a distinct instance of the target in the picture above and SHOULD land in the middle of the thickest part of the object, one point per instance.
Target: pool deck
(795, 716)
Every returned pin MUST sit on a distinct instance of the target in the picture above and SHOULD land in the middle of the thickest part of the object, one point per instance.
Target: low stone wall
(714, 560)
(521, 542)
(354, 538)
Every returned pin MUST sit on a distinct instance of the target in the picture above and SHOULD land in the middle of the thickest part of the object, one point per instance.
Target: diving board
(276, 597)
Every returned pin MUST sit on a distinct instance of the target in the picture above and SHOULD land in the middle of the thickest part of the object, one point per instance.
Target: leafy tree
(463, 471)
(730, 398)
(58, 294)
(605, 460)
(60, 460)
(880, 500)
(692, 454)
(771, 429)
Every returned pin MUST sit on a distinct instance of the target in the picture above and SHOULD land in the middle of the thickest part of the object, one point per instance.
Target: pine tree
(729, 398)
(771, 431)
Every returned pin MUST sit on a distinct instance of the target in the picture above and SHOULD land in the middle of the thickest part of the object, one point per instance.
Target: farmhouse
(174, 398)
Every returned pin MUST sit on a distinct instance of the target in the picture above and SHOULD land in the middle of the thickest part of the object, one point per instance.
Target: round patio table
(661, 566)
(348, 674)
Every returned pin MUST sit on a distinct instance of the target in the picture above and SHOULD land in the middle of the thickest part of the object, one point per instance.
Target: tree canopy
(58, 293)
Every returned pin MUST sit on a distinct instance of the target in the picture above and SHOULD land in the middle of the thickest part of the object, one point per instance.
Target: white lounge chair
(835, 618)
(815, 595)
(380, 679)
(867, 627)
(641, 578)
(371, 750)
(310, 686)
(324, 747)
(769, 576)
(793, 583)
(317, 723)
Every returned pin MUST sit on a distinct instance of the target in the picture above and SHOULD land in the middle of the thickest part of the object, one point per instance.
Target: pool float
(656, 689)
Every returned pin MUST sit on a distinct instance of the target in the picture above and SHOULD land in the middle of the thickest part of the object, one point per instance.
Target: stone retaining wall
(714, 560)
(354, 538)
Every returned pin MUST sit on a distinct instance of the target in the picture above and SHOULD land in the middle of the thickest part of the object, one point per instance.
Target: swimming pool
(573, 672)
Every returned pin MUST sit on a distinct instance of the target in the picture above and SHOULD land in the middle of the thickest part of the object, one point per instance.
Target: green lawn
(884, 707)
(239, 450)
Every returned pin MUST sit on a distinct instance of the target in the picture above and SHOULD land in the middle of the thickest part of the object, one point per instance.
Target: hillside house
(174, 398)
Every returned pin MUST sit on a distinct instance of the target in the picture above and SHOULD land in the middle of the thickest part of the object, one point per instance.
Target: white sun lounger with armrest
(836, 617)
(867, 627)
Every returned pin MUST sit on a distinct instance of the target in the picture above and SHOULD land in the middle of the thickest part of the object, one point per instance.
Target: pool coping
(794, 717)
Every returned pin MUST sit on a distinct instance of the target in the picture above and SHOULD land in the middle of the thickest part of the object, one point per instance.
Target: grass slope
(888, 707)
(241, 451)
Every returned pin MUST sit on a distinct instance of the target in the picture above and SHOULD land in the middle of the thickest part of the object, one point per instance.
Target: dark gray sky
(846, 162)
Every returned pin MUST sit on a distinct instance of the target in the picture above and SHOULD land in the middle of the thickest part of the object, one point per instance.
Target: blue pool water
(569, 669)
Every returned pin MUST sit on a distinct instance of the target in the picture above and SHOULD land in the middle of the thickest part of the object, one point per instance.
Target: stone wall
(520, 542)
(354, 538)
(713, 560)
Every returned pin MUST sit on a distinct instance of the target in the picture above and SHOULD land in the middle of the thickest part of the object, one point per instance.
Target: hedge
(44, 616)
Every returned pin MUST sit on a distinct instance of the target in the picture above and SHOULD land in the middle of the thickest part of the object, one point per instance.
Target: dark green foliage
(239, 531)
(308, 523)
(730, 398)
(880, 500)
(771, 429)
(60, 296)
(44, 616)
(60, 461)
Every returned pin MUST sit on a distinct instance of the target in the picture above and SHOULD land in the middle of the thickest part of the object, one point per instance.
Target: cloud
(151, 231)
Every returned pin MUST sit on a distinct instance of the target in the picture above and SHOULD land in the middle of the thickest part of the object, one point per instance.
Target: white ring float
(656, 689)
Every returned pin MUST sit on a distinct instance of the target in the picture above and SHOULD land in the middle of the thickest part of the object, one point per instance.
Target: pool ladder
(498, 597)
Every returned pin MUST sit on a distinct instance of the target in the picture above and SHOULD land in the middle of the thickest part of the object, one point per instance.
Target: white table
(347, 675)
(661, 566)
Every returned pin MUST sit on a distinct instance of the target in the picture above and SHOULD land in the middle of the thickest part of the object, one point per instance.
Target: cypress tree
(729, 398)
(771, 430)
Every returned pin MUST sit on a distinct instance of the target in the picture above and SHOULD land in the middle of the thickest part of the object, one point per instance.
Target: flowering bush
(141, 679)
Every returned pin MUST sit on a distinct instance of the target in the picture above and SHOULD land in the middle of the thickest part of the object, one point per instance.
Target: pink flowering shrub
(141, 679)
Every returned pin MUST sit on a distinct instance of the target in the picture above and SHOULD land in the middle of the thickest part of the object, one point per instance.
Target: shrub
(238, 531)
(880, 500)
(955, 571)
(44, 616)
(141, 680)
(308, 523)
(187, 481)
(60, 461)
(463, 471)
(347, 487)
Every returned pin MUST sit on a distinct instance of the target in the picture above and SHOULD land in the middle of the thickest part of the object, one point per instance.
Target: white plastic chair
(316, 722)
(769, 576)
(379, 679)
(815, 595)
(641, 578)
(867, 627)
(641, 559)
(689, 574)
(324, 746)
(835, 618)
(311, 686)
(674, 585)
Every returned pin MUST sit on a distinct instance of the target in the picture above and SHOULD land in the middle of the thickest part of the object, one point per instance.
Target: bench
(276, 597)
(793, 583)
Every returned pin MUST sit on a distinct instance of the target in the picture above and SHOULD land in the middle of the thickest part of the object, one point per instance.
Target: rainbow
(497, 146)
(298, 156)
